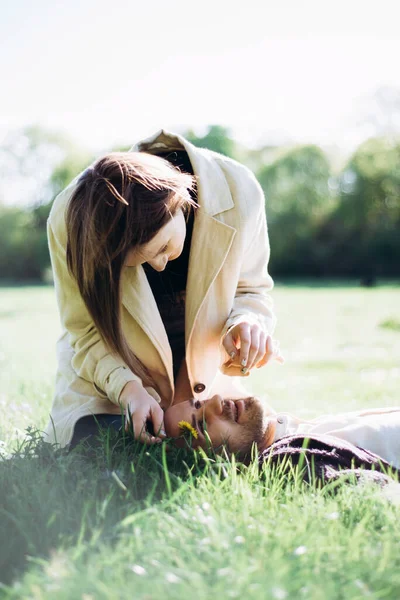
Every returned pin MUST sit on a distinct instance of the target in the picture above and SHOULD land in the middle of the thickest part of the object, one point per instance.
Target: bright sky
(116, 71)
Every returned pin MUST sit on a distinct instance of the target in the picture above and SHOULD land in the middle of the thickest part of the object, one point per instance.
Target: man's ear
(269, 435)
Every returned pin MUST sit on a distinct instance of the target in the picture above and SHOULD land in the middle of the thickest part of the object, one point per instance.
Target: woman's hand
(249, 346)
(140, 407)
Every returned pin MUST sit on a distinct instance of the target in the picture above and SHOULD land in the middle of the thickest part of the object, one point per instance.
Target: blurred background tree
(41, 164)
(298, 198)
(321, 222)
(362, 235)
(217, 138)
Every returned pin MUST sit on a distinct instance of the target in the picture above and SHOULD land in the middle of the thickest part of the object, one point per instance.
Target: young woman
(160, 266)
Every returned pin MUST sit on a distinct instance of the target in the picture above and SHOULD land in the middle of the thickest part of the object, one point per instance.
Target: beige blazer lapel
(213, 190)
(211, 241)
(139, 301)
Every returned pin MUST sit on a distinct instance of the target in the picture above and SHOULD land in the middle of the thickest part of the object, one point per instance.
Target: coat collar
(139, 301)
(211, 241)
(213, 191)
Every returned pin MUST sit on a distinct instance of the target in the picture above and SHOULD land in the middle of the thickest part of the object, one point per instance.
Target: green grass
(133, 522)
(393, 324)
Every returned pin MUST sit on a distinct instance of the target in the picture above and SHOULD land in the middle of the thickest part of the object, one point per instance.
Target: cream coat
(228, 281)
(374, 429)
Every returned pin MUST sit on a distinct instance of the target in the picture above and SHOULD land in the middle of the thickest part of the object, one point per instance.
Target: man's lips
(234, 409)
(240, 409)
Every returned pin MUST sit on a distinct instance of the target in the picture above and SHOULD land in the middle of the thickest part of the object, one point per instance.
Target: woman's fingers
(138, 420)
(132, 421)
(136, 423)
(261, 349)
(234, 370)
(254, 349)
(229, 345)
(237, 343)
(249, 346)
(271, 352)
(245, 342)
(267, 353)
(146, 438)
(157, 418)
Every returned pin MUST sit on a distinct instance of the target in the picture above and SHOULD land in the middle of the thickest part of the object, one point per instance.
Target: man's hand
(249, 346)
(140, 407)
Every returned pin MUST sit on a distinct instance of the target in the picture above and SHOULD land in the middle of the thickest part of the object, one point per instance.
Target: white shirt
(376, 430)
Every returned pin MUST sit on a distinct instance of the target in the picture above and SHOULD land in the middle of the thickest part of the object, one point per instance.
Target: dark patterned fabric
(325, 459)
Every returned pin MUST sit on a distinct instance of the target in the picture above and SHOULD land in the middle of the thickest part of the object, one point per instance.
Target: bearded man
(238, 424)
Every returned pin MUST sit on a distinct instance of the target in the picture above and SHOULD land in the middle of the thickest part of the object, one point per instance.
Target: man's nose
(213, 407)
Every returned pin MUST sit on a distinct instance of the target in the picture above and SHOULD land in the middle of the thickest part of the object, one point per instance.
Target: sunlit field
(133, 523)
(341, 345)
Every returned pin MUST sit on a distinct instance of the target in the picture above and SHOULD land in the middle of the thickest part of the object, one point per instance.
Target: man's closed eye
(198, 425)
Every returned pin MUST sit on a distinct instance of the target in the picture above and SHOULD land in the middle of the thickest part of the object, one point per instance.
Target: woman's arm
(92, 361)
(246, 335)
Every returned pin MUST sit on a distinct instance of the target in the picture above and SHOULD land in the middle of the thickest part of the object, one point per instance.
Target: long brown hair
(119, 203)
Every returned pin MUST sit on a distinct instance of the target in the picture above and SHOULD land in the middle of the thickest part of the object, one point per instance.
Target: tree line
(322, 221)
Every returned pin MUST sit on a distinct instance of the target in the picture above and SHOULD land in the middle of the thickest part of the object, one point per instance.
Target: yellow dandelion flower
(184, 426)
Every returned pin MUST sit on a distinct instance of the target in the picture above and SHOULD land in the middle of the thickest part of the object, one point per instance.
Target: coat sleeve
(252, 302)
(92, 360)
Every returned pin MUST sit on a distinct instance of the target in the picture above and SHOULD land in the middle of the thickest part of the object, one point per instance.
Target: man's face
(236, 424)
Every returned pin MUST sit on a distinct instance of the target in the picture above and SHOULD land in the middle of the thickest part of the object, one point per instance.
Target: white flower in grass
(52, 587)
(206, 506)
(171, 534)
(155, 563)
(363, 587)
(305, 590)
(205, 541)
(333, 516)
(138, 570)
(300, 551)
(172, 578)
(224, 572)
(205, 519)
(279, 593)
(239, 539)
(58, 567)
(3, 451)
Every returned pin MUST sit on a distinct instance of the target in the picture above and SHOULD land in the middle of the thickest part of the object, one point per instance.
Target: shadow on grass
(50, 498)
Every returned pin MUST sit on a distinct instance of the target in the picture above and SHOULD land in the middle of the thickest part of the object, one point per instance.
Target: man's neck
(269, 434)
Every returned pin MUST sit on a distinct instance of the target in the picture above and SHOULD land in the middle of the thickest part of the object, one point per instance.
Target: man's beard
(255, 428)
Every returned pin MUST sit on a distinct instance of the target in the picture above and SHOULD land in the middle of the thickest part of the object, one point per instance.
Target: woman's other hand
(249, 346)
(140, 408)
